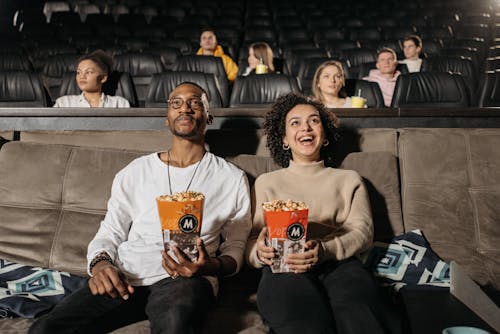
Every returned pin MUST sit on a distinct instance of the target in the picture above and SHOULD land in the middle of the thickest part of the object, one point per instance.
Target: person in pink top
(386, 74)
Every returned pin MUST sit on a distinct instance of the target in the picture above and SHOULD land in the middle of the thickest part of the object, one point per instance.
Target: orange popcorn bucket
(286, 234)
(181, 225)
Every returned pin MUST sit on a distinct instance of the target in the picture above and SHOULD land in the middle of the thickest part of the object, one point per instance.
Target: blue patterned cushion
(408, 262)
(29, 291)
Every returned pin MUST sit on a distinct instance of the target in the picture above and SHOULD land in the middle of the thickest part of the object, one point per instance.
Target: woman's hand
(303, 262)
(265, 254)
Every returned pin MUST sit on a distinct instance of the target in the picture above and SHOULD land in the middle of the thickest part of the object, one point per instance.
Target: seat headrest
(261, 89)
(21, 89)
(162, 84)
(138, 64)
(430, 89)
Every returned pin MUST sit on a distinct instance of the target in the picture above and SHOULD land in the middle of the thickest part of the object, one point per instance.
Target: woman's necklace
(192, 177)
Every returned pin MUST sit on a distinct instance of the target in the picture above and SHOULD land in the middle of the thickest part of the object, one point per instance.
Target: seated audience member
(328, 290)
(328, 85)
(92, 72)
(386, 74)
(260, 59)
(412, 47)
(131, 276)
(210, 47)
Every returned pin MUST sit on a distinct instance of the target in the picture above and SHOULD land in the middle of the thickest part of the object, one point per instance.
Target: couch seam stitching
(62, 212)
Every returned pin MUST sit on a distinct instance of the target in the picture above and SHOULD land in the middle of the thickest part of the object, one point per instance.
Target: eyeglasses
(194, 103)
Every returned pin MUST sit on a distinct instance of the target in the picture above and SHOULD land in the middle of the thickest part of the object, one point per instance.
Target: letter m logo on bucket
(188, 223)
(295, 231)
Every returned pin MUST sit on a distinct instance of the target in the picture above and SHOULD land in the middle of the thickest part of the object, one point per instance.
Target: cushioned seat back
(454, 64)
(164, 83)
(369, 90)
(430, 89)
(49, 217)
(118, 83)
(261, 90)
(206, 64)
(356, 57)
(490, 93)
(21, 89)
(15, 62)
(54, 68)
(141, 67)
(450, 190)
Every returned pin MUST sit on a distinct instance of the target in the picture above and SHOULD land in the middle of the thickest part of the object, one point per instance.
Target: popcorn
(282, 205)
(183, 196)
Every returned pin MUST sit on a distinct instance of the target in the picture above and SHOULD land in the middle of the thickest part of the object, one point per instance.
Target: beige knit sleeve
(257, 197)
(357, 228)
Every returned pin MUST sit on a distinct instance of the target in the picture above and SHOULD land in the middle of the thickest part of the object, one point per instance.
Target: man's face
(410, 50)
(208, 41)
(186, 115)
(386, 63)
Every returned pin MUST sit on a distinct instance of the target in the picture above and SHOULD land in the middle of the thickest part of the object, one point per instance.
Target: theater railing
(23, 119)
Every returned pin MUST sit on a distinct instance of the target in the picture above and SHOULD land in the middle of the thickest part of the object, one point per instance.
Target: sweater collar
(304, 169)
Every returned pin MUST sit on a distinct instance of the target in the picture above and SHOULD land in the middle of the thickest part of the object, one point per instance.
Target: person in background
(92, 72)
(386, 74)
(259, 54)
(412, 47)
(329, 290)
(132, 278)
(210, 47)
(328, 85)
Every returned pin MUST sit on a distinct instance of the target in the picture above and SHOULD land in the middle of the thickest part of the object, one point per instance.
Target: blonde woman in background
(328, 85)
(259, 53)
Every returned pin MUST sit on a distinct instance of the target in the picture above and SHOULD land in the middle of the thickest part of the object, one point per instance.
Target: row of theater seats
(298, 64)
(423, 89)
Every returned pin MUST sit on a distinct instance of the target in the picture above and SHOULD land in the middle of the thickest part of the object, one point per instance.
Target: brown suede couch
(54, 187)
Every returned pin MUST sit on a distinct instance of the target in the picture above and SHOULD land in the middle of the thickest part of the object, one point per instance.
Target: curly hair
(275, 128)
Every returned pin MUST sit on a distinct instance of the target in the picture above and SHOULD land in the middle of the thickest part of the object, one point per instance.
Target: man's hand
(303, 262)
(265, 254)
(106, 279)
(205, 265)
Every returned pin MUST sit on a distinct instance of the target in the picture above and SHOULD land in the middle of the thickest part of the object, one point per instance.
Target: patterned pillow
(408, 262)
(29, 291)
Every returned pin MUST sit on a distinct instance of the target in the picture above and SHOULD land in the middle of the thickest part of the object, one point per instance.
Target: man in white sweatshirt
(132, 277)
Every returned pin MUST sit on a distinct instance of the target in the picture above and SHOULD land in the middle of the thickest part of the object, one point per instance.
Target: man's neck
(184, 152)
(208, 52)
(413, 58)
(388, 75)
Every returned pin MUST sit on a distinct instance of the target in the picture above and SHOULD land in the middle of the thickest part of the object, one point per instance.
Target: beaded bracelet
(99, 257)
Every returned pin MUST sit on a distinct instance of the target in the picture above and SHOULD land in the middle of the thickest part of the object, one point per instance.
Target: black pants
(336, 297)
(172, 306)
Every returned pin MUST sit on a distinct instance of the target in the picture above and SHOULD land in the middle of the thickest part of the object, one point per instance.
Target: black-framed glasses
(194, 103)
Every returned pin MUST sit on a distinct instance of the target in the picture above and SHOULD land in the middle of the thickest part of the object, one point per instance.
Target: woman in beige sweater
(329, 291)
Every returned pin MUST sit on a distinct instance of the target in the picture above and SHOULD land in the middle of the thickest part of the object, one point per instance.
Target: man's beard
(195, 131)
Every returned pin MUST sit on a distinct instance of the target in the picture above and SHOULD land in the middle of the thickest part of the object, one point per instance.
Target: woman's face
(252, 60)
(89, 76)
(330, 81)
(304, 133)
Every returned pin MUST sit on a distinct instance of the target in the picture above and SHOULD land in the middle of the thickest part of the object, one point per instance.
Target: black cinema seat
(369, 90)
(21, 89)
(206, 64)
(163, 83)
(430, 89)
(261, 90)
(490, 93)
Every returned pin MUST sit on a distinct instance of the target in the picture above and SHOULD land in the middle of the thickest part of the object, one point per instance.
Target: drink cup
(261, 69)
(358, 102)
